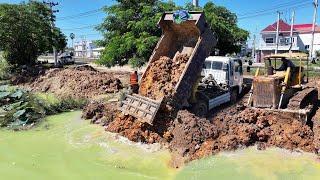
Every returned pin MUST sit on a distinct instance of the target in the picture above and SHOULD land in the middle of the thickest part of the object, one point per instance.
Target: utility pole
(51, 5)
(72, 36)
(315, 3)
(254, 48)
(195, 3)
(291, 33)
(277, 35)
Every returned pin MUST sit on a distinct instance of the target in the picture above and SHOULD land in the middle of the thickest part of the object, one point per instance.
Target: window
(207, 65)
(307, 47)
(217, 65)
(270, 40)
(287, 40)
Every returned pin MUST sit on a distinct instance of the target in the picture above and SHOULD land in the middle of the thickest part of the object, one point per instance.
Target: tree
(130, 31)
(25, 32)
(224, 24)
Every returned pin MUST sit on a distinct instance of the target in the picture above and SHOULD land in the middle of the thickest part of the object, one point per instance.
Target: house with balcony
(300, 41)
(84, 49)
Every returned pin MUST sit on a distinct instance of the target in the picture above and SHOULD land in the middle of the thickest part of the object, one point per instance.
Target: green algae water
(66, 147)
(253, 164)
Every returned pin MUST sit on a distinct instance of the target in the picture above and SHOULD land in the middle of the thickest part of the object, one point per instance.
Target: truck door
(237, 75)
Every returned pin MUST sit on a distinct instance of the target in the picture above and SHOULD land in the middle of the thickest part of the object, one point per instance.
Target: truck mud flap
(142, 108)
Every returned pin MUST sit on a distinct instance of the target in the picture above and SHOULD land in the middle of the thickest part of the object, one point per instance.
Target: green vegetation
(25, 32)
(130, 30)
(4, 69)
(19, 108)
(224, 23)
(53, 105)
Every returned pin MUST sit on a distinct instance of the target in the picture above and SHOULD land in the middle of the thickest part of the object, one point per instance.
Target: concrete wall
(306, 40)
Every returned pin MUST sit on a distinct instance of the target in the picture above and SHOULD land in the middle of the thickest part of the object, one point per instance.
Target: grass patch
(54, 105)
(20, 109)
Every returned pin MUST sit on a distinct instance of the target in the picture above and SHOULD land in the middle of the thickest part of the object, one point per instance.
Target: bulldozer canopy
(302, 56)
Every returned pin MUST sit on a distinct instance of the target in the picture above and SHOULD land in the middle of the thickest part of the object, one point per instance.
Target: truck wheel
(200, 109)
(234, 96)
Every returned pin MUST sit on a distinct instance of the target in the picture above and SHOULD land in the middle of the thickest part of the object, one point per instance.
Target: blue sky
(253, 15)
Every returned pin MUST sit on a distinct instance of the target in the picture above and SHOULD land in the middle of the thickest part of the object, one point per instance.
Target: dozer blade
(301, 105)
(142, 108)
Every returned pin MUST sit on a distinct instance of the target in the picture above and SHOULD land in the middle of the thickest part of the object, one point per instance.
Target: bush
(318, 54)
(18, 107)
(4, 69)
(53, 105)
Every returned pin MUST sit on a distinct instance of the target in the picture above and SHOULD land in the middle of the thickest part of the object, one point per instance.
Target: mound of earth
(193, 137)
(99, 112)
(76, 82)
(162, 76)
(134, 130)
(237, 129)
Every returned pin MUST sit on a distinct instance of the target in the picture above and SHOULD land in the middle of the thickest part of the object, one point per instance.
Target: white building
(301, 40)
(96, 52)
(86, 49)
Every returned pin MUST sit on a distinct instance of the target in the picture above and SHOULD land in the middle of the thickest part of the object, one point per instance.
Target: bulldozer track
(303, 99)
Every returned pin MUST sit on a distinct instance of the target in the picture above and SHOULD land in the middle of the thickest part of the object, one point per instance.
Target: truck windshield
(207, 65)
(217, 65)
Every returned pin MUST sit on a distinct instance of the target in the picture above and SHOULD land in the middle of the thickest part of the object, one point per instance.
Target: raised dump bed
(173, 66)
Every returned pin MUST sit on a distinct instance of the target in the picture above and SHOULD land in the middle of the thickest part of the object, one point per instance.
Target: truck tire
(200, 109)
(234, 96)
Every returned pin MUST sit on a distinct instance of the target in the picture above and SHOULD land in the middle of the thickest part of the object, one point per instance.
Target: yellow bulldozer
(283, 90)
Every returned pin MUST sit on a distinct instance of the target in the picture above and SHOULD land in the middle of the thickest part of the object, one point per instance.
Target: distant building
(301, 39)
(96, 52)
(87, 49)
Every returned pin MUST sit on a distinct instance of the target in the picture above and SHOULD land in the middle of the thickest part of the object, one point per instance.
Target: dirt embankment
(192, 137)
(75, 82)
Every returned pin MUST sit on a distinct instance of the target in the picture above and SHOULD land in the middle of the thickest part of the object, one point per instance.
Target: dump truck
(193, 37)
(283, 91)
(221, 82)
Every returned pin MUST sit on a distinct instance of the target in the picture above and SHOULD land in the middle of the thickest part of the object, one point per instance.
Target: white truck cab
(222, 82)
(226, 71)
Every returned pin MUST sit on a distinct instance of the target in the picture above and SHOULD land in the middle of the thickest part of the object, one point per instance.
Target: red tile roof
(299, 26)
(284, 27)
(305, 28)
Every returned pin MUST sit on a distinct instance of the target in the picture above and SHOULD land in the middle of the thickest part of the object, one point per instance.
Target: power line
(83, 14)
(78, 28)
(272, 8)
(273, 12)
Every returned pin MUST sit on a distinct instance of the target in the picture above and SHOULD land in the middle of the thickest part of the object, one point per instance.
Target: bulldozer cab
(296, 73)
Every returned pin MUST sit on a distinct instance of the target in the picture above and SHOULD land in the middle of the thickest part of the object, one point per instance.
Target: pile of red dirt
(134, 130)
(76, 82)
(25, 74)
(162, 76)
(192, 137)
(188, 132)
(99, 112)
(242, 128)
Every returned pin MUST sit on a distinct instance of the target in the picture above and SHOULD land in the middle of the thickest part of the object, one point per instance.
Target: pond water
(66, 147)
